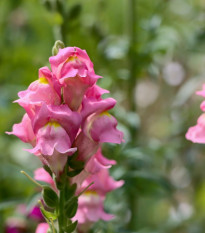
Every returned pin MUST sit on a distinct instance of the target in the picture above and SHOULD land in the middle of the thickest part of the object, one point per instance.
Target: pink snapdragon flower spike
(196, 133)
(24, 130)
(42, 228)
(74, 70)
(66, 123)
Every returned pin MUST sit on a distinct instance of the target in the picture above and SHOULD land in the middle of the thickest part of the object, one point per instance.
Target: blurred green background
(152, 57)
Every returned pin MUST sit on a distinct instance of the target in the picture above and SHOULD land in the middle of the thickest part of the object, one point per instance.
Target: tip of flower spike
(58, 45)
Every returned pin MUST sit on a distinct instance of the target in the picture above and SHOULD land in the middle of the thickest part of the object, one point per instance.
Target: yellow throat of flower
(53, 123)
(43, 80)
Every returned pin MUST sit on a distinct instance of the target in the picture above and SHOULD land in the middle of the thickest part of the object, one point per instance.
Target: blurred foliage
(152, 55)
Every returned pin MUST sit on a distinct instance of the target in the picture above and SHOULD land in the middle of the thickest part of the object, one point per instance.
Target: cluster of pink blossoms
(196, 133)
(65, 115)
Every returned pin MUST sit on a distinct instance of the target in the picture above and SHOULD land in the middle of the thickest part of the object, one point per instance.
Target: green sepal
(74, 172)
(49, 196)
(71, 227)
(59, 184)
(73, 157)
(48, 215)
(71, 207)
(75, 164)
(70, 191)
(47, 168)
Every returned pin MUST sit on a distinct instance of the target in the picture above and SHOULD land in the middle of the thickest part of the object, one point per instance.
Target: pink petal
(91, 105)
(41, 90)
(102, 128)
(50, 138)
(42, 228)
(86, 147)
(98, 162)
(75, 89)
(24, 130)
(95, 92)
(196, 133)
(41, 175)
(69, 120)
(57, 161)
(103, 182)
(202, 92)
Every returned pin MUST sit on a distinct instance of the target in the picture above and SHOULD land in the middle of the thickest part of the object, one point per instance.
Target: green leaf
(71, 207)
(48, 215)
(71, 227)
(50, 197)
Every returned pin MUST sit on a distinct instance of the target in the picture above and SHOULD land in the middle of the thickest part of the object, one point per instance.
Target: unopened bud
(58, 45)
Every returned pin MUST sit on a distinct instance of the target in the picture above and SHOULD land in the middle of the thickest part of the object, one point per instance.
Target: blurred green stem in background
(132, 55)
(60, 30)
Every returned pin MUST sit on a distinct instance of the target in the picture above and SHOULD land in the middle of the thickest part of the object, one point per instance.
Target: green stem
(61, 215)
(132, 197)
(133, 202)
